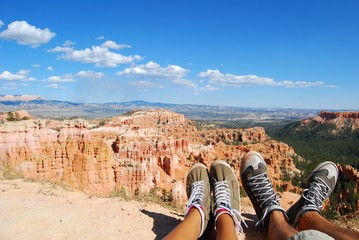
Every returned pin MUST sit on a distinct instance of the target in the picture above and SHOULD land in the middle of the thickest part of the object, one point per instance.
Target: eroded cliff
(137, 151)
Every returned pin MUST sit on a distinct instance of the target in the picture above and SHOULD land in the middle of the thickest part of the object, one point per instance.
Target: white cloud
(100, 55)
(14, 85)
(68, 43)
(185, 83)
(89, 74)
(36, 65)
(145, 84)
(100, 37)
(58, 79)
(60, 49)
(209, 88)
(26, 34)
(49, 68)
(216, 77)
(20, 75)
(53, 85)
(152, 69)
(1, 24)
(114, 45)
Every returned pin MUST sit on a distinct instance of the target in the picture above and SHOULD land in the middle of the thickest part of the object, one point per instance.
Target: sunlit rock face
(136, 151)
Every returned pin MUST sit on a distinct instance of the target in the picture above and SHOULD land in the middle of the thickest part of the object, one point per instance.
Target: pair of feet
(222, 180)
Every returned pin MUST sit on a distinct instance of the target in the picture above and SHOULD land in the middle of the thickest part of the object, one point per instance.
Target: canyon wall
(137, 151)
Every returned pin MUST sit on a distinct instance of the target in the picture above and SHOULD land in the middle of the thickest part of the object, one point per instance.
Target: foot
(199, 193)
(258, 186)
(226, 193)
(320, 184)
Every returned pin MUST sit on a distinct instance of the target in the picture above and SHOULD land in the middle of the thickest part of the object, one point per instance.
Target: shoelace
(195, 200)
(316, 193)
(263, 192)
(197, 193)
(223, 204)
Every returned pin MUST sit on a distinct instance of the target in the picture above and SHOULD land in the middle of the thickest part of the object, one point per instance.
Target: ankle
(277, 216)
(224, 219)
(196, 211)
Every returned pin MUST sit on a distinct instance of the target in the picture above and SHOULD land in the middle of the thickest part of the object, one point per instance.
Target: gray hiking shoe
(198, 190)
(258, 187)
(226, 193)
(320, 184)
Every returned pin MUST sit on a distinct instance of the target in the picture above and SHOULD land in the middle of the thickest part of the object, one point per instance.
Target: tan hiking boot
(226, 193)
(198, 190)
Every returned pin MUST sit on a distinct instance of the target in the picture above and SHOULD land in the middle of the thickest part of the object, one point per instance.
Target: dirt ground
(38, 211)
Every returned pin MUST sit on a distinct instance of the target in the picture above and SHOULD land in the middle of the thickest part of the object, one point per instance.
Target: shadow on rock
(162, 224)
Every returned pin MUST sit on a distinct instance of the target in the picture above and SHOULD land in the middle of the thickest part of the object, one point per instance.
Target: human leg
(278, 227)
(256, 183)
(198, 206)
(305, 213)
(313, 220)
(225, 228)
(189, 228)
(226, 207)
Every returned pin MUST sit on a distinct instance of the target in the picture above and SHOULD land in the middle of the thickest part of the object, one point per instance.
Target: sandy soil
(47, 211)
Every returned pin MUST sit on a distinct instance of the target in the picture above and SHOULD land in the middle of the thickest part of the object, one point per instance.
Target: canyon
(137, 151)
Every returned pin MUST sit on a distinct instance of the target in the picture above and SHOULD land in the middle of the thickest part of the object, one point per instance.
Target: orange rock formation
(136, 151)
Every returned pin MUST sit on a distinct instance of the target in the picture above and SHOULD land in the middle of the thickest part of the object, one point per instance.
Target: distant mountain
(38, 106)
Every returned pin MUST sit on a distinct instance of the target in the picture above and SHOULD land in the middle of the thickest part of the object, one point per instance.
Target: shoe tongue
(256, 170)
(261, 169)
(322, 174)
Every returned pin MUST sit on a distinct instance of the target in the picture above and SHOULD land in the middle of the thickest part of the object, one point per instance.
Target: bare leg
(189, 228)
(313, 220)
(225, 228)
(278, 227)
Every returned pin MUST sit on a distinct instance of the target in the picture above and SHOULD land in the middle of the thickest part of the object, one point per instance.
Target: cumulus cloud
(61, 79)
(215, 77)
(1, 24)
(152, 69)
(53, 85)
(100, 37)
(21, 75)
(114, 45)
(89, 74)
(36, 65)
(145, 84)
(185, 83)
(49, 68)
(60, 49)
(101, 56)
(26, 34)
(68, 43)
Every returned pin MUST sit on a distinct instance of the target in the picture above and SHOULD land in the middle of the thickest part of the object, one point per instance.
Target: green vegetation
(156, 195)
(9, 173)
(11, 117)
(317, 143)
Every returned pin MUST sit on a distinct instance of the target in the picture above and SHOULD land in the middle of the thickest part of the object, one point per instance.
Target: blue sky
(287, 54)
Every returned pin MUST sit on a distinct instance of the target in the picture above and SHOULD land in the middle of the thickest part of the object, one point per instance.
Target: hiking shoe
(258, 187)
(198, 191)
(226, 193)
(320, 184)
